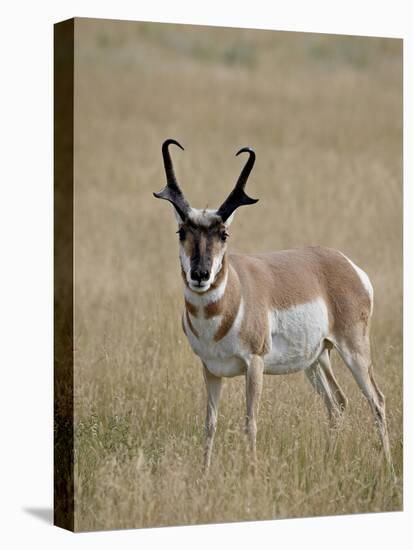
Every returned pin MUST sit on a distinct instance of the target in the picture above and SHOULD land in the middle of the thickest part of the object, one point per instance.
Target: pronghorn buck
(274, 313)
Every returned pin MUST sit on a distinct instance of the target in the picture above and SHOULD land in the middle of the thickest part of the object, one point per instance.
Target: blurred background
(324, 115)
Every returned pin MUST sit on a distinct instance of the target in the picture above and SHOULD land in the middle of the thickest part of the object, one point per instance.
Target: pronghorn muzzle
(198, 274)
(201, 260)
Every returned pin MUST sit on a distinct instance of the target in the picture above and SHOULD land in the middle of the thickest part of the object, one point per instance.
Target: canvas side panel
(63, 274)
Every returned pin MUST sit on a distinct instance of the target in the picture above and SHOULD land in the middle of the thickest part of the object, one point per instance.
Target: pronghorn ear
(178, 217)
(228, 221)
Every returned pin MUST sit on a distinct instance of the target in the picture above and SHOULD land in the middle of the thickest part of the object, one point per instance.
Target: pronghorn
(273, 313)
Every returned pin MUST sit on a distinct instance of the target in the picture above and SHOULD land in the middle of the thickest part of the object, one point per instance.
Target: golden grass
(324, 115)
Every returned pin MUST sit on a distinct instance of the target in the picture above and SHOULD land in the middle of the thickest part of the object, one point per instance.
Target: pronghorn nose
(199, 275)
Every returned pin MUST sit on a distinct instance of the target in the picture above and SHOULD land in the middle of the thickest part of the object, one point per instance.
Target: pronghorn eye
(224, 236)
(182, 233)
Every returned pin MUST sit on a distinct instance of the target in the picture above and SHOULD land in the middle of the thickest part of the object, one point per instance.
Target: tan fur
(214, 308)
(193, 310)
(191, 327)
(291, 277)
(348, 301)
(229, 305)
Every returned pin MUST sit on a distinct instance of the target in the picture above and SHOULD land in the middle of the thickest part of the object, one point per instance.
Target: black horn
(238, 197)
(172, 192)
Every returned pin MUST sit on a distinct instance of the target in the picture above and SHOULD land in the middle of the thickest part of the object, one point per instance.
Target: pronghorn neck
(210, 316)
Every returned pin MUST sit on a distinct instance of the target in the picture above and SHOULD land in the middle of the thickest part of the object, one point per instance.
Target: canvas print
(228, 274)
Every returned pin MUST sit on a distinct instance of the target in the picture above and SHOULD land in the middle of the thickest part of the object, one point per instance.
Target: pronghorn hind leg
(339, 399)
(254, 381)
(357, 357)
(322, 379)
(213, 386)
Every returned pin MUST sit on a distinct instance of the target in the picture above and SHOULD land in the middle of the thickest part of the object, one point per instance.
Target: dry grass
(324, 116)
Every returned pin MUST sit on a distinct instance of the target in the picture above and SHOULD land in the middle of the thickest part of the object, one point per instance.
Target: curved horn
(172, 192)
(238, 197)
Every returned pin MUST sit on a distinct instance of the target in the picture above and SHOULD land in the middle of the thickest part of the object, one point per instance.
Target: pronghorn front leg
(213, 386)
(254, 381)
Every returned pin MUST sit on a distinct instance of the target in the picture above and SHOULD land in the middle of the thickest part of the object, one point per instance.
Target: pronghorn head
(203, 233)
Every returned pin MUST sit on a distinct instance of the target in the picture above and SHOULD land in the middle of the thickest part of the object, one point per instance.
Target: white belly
(297, 337)
(227, 367)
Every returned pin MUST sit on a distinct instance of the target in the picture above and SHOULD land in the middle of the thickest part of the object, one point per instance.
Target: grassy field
(324, 114)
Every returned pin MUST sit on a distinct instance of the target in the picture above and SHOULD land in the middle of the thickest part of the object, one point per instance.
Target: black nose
(199, 275)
